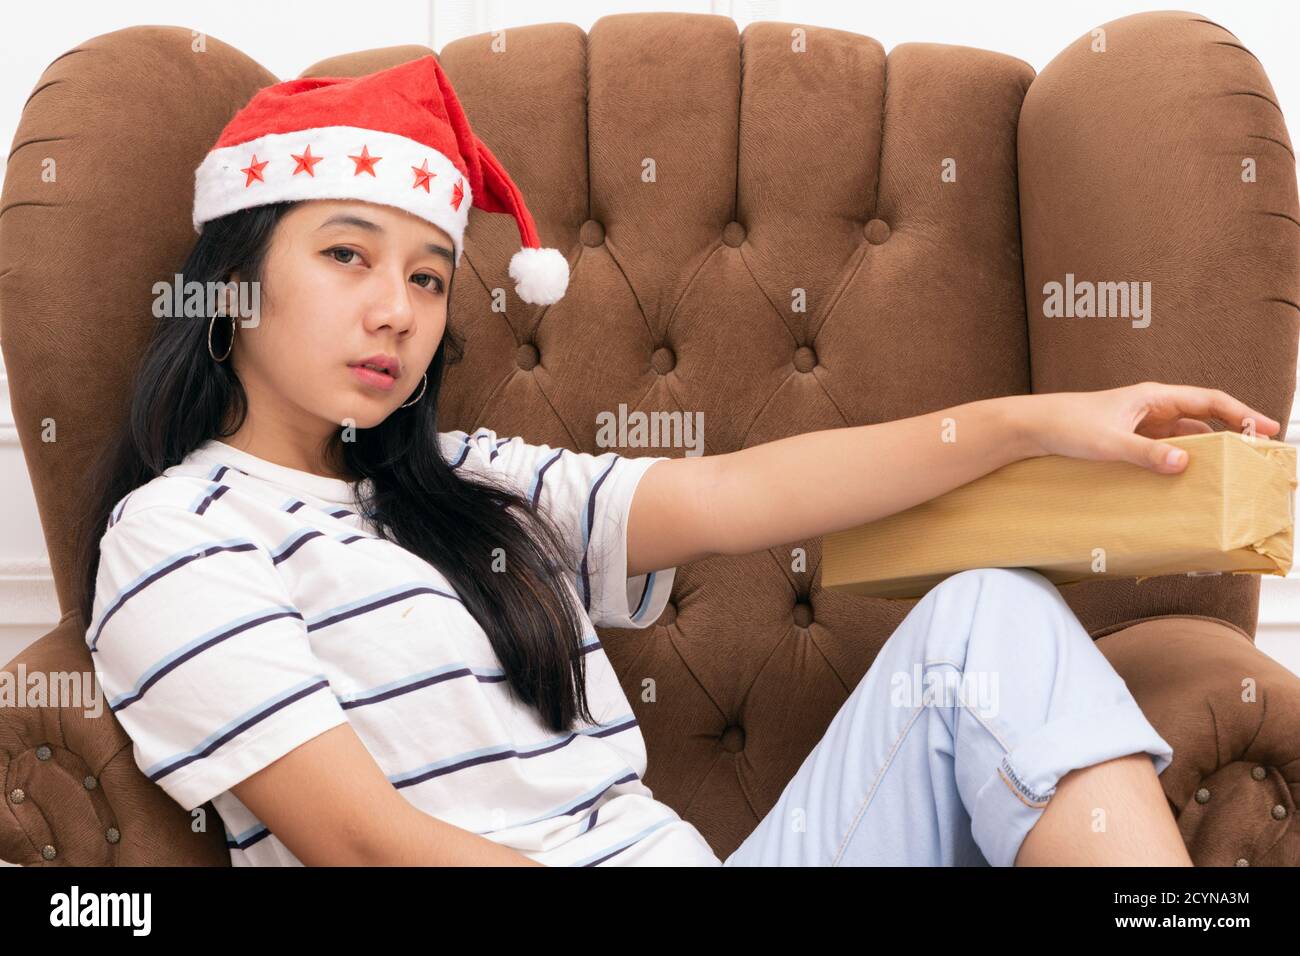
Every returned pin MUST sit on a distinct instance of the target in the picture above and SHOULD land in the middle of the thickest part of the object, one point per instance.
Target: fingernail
(1175, 456)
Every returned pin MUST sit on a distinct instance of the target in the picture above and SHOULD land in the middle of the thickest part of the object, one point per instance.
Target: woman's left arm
(819, 482)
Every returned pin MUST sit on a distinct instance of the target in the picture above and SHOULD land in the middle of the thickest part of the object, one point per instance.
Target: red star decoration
(254, 170)
(306, 162)
(458, 194)
(365, 162)
(422, 176)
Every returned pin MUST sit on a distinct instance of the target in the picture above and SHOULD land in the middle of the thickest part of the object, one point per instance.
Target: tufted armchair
(789, 165)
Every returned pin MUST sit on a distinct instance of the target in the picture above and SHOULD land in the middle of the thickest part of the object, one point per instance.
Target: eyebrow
(345, 219)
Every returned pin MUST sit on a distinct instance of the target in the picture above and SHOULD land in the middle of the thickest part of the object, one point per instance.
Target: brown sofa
(776, 168)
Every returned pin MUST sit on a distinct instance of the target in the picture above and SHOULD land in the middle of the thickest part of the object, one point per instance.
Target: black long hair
(181, 398)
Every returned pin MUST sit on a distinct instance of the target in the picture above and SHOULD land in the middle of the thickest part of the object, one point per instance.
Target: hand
(1122, 424)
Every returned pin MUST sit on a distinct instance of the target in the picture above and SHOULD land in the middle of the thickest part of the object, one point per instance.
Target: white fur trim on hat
(221, 186)
(541, 275)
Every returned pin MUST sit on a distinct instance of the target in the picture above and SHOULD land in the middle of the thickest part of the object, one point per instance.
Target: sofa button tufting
(1259, 773)
(1202, 795)
(47, 852)
(733, 739)
(591, 233)
(663, 360)
(17, 795)
(526, 356)
(802, 614)
(1279, 812)
(112, 835)
(805, 359)
(733, 234)
(877, 231)
(90, 783)
(43, 752)
(1242, 862)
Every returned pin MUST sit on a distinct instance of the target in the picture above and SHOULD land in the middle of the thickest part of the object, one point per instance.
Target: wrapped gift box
(1230, 510)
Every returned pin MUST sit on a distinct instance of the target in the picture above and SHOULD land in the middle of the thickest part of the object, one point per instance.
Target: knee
(1021, 598)
(1020, 585)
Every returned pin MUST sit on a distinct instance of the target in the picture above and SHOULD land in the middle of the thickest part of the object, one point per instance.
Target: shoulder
(180, 506)
(475, 450)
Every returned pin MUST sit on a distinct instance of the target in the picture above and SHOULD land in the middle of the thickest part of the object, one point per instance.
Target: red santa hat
(397, 137)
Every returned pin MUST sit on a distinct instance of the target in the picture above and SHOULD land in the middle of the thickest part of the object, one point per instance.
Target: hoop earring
(423, 382)
(211, 323)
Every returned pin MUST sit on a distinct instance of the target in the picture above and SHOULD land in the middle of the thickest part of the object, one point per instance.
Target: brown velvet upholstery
(775, 170)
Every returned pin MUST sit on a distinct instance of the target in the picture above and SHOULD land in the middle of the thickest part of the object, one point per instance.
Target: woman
(370, 642)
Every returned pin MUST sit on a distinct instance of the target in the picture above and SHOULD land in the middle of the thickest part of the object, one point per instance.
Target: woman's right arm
(331, 805)
(207, 664)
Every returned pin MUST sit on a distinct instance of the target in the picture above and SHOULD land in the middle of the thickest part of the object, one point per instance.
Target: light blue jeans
(949, 748)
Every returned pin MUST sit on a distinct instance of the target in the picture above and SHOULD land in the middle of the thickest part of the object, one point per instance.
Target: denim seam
(967, 707)
(857, 817)
(1021, 790)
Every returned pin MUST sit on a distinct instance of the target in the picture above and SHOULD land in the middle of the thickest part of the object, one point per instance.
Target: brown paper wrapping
(1230, 509)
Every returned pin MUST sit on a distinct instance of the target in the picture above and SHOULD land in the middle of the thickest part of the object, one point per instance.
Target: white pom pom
(541, 275)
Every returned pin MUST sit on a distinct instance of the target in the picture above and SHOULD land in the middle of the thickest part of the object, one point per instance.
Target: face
(345, 283)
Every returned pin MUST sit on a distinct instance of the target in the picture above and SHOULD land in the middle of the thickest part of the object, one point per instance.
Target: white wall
(286, 37)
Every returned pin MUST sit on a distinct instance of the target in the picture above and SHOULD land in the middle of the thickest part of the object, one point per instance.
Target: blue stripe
(539, 477)
(575, 805)
(588, 521)
(374, 601)
(618, 848)
(646, 591)
(404, 685)
(164, 567)
(157, 671)
(244, 721)
(246, 839)
(473, 758)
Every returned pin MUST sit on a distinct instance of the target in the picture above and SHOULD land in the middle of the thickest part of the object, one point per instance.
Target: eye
(343, 249)
(436, 284)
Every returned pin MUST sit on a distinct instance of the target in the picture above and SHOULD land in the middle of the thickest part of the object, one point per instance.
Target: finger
(1190, 426)
(1172, 429)
(1203, 402)
(1148, 453)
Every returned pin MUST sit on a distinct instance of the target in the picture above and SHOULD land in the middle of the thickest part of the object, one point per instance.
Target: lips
(370, 377)
(381, 363)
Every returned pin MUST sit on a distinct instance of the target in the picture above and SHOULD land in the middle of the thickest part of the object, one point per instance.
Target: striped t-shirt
(243, 607)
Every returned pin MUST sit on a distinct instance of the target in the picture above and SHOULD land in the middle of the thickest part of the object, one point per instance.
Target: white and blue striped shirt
(243, 607)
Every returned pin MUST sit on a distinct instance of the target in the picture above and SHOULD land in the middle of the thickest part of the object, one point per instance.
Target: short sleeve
(590, 498)
(200, 653)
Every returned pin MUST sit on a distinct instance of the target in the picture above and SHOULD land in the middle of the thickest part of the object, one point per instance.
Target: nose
(390, 301)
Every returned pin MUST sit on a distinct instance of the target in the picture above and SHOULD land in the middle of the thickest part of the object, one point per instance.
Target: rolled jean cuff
(1013, 798)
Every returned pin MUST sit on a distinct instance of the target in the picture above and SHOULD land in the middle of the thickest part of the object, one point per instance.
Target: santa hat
(397, 137)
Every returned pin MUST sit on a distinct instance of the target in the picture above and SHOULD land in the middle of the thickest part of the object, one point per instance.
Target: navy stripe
(540, 478)
(261, 834)
(507, 754)
(206, 552)
(302, 538)
(195, 651)
(238, 729)
(203, 505)
(590, 518)
(422, 682)
(378, 603)
(116, 516)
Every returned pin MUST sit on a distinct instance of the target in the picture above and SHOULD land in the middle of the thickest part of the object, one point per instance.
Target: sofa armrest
(73, 794)
(1232, 715)
(1133, 167)
(1133, 162)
